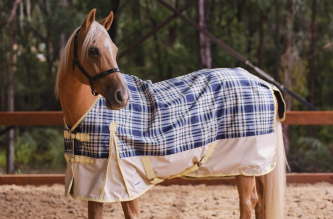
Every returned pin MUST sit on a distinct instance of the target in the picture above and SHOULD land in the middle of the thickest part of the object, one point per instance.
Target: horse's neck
(75, 98)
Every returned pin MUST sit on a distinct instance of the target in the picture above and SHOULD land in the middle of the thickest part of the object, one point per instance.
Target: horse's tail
(274, 183)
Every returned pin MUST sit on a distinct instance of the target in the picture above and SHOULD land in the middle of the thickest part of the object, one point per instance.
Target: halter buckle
(93, 92)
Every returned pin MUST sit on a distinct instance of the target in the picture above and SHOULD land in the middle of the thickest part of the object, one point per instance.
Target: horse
(87, 68)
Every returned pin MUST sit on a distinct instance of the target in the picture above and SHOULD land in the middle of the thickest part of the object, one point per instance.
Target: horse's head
(94, 61)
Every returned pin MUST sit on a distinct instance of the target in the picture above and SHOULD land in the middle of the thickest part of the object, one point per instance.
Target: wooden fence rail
(55, 118)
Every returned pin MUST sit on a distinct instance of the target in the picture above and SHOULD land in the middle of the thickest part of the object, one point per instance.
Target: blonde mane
(94, 32)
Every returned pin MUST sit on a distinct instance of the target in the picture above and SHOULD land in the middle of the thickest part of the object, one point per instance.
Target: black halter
(91, 79)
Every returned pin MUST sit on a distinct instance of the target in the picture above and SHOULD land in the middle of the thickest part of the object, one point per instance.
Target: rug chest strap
(77, 136)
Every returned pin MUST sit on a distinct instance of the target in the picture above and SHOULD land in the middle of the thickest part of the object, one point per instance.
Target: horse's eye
(93, 51)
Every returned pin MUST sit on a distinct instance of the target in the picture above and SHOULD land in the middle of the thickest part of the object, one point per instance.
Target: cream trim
(72, 168)
(276, 114)
(84, 116)
(207, 177)
(79, 159)
(71, 183)
(78, 136)
(229, 174)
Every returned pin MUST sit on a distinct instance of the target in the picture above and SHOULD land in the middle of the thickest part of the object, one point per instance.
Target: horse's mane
(94, 32)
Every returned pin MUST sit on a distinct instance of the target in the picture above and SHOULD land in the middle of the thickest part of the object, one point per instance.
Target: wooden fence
(55, 118)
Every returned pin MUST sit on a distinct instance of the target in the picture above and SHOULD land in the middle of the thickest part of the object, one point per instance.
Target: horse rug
(208, 124)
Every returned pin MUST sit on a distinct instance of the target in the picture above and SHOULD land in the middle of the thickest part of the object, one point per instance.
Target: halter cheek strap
(92, 79)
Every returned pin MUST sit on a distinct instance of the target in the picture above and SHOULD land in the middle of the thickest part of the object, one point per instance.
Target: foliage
(311, 155)
(38, 150)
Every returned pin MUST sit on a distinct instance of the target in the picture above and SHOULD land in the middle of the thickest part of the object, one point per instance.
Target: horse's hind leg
(260, 207)
(248, 198)
(131, 209)
(95, 210)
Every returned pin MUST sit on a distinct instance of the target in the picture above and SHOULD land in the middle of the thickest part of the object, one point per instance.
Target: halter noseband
(78, 64)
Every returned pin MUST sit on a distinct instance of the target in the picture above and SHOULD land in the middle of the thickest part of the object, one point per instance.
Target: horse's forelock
(94, 32)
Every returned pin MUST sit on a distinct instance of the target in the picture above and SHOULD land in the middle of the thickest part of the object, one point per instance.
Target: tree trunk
(261, 39)
(65, 4)
(160, 63)
(113, 29)
(28, 10)
(2, 74)
(172, 36)
(136, 13)
(312, 72)
(277, 43)
(287, 64)
(312, 66)
(11, 15)
(239, 14)
(251, 31)
(10, 145)
(21, 17)
(205, 55)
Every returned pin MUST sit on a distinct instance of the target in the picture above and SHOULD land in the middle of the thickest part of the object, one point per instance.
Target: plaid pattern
(180, 114)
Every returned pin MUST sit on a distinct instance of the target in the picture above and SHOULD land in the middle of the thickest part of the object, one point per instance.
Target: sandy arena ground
(303, 201)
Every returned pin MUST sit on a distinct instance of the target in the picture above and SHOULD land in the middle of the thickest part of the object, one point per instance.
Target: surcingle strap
(154, 180)
(196, 166)
(150, 172)
(207, 155)
(187, 171)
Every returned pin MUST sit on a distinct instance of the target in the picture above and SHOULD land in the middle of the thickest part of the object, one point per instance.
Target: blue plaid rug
(180, 114)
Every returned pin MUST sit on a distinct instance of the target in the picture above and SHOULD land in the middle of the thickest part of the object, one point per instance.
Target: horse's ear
(106, 22)
(89, 20)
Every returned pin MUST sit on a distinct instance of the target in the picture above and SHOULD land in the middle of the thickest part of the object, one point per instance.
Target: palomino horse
(87, 68)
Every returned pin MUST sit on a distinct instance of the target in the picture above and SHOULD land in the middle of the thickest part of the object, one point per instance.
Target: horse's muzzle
(118, 100)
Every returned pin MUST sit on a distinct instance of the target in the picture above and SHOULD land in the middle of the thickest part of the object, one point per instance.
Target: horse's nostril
(119, 97)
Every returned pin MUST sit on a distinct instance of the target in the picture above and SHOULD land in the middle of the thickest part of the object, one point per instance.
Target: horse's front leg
(248, 198)
(131, 209)
(95, 210)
